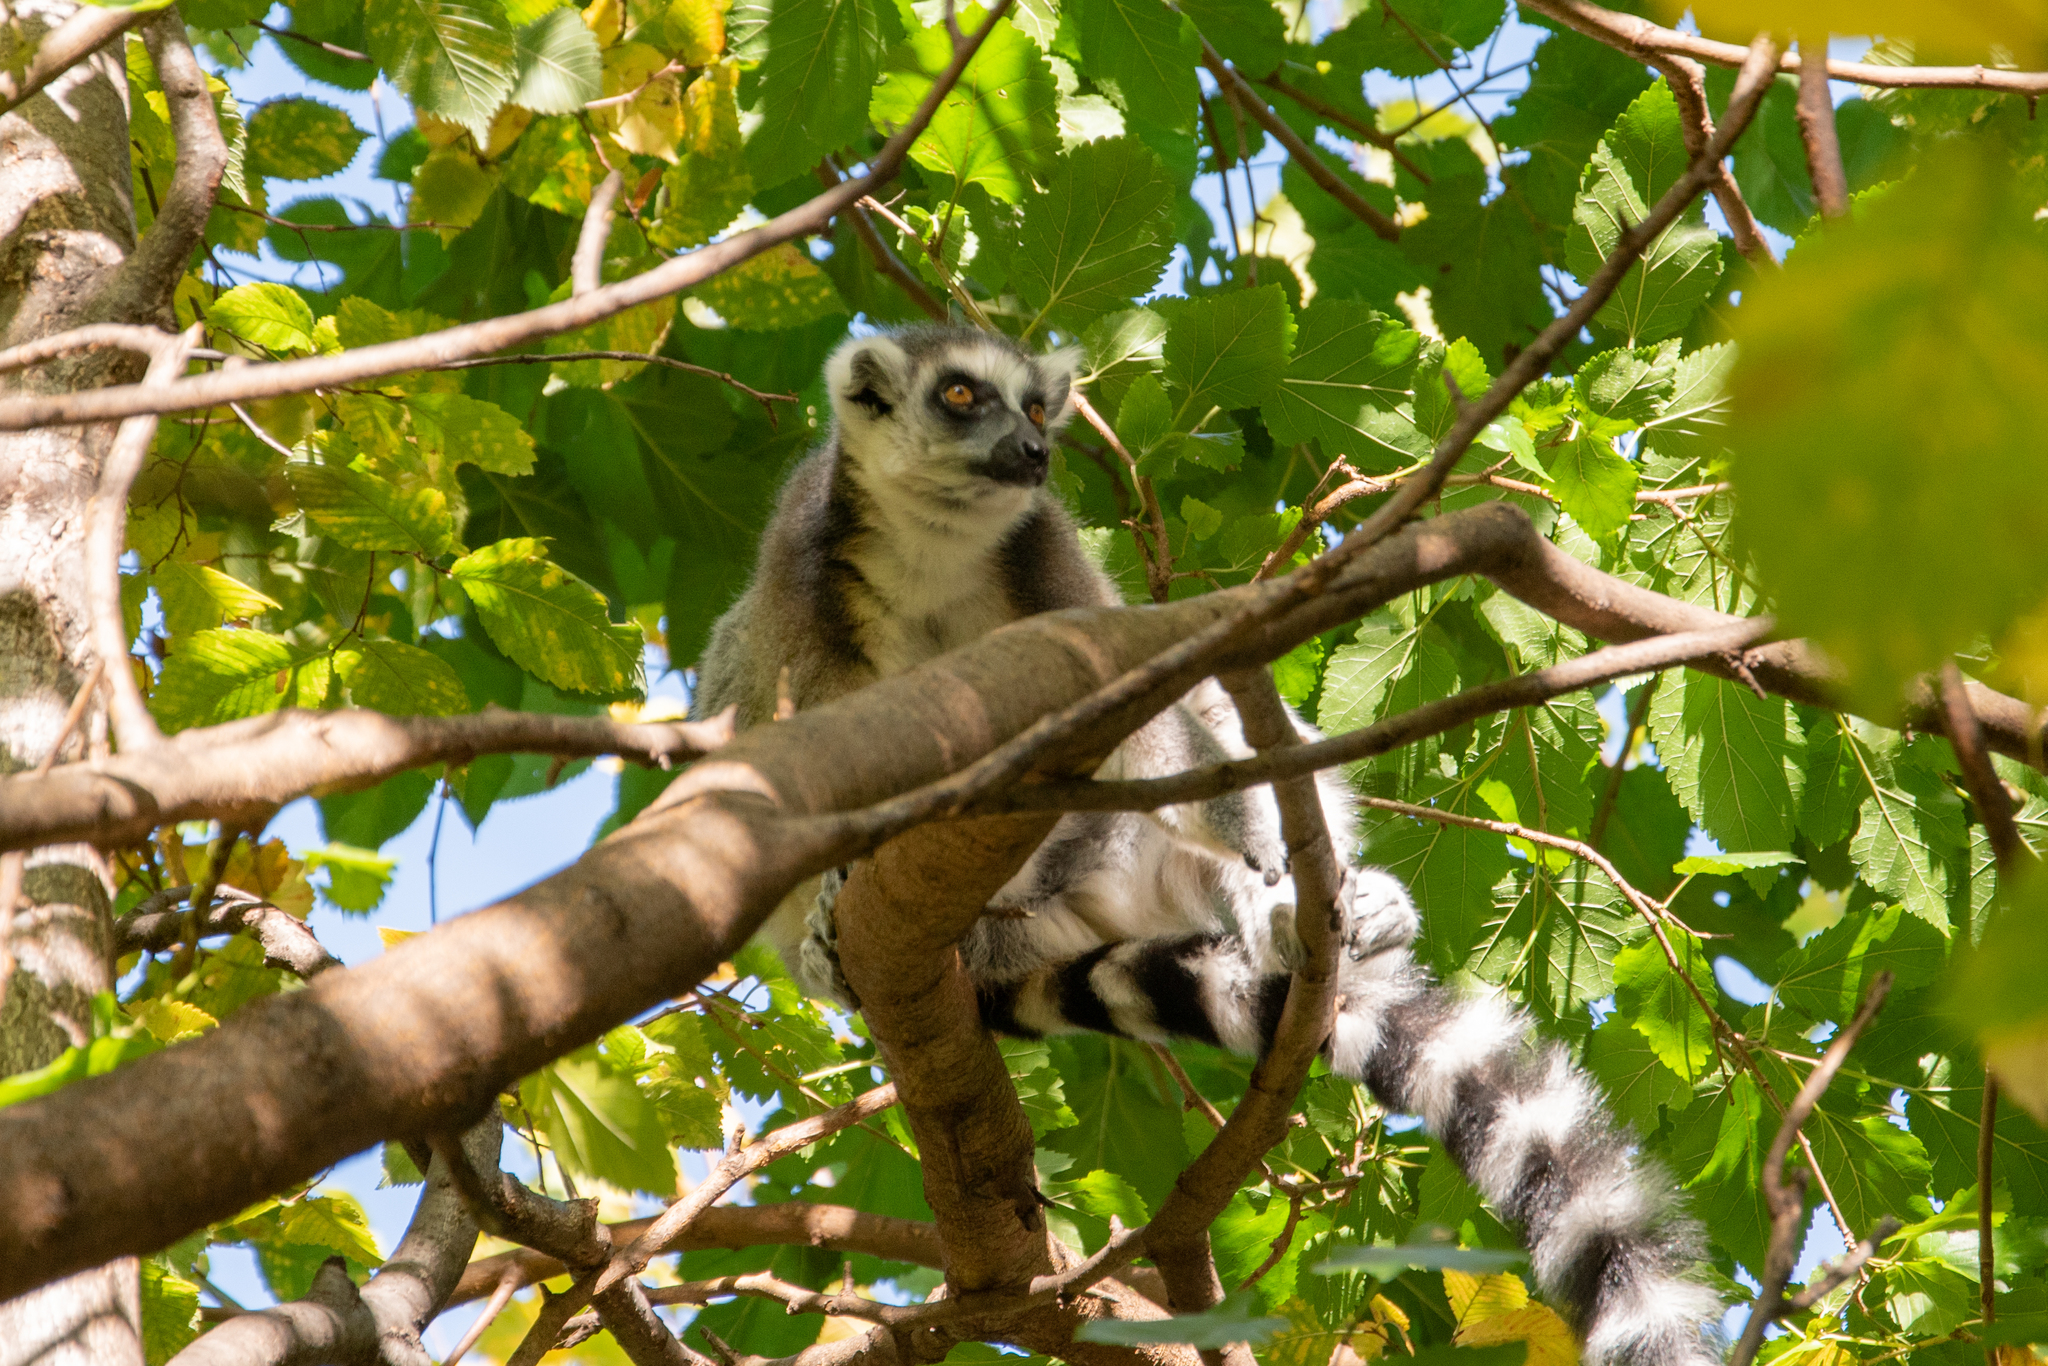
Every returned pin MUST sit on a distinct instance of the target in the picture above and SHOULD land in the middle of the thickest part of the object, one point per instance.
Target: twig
(969, 305)
(501, 1295)
(885, 260)
(1987, 789)
(586, 266)
(417, 225)
(1191, 1099)
(795, 1299)
(1787, 1202)
(1404, 728)
(271, 379)
(106, 520)
(330, 49)
(1244, 97)
(766, 400)
(1687, 82)
(88, 29)
(1638, 712)
(1153, 550)
(92, 337)
(1645, 41)
(287, 942)
(142, 284)
(628, 96)
(1358, 128)
(1816, 115)
(256, 431)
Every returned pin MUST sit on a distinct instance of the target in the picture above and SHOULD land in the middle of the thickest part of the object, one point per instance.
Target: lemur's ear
(867, 377)
(1058, 369)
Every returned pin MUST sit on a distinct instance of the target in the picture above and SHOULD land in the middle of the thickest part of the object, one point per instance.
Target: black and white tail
(1607, 1238)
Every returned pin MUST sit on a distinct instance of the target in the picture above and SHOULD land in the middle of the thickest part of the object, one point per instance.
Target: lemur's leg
(1525, 1124)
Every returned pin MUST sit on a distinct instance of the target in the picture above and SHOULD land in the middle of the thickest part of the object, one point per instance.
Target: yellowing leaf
(778, 289)
(392, 938)
(1483, 1297)
(695, 29)
(2019, 1059)
(1550, 1342)
(1940, 30)
(197, 597)
(172, 1020)
(651, 122)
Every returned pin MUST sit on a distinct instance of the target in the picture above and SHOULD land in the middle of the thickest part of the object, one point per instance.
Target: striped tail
(1607, 1236)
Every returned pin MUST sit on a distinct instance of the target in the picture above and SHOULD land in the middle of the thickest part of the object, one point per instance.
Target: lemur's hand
(818, 955)
(1378, 913)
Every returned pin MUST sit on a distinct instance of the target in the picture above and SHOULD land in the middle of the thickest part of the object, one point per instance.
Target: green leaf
(1231, 1321)
(401, 680)
(1827, 978)
(1384, 1263)
(1228, 350)
(1145, 417)
(263, 314)
(364, 512)
(1637, 1082)
(1249, 33)
(1721, 865)
(451, 58)
(465, 430)
(197, 597)
(549, 622)
(1910, 839)
(779, 289)
(1884, 418)
(1630, 168)
(1732, 757)
(819, 60)
(1148, 55)
(301, 139)
(1595, 484)
(170, 1312)
(1203, 521)
(225, 675)
(356, 878)
(559, 66)
(335, 1223)
(1691, 423)
(1655, 1000)
(1095, 237)
(1627, 386)
(598, 1123)
(1351, 369)
(996, 128)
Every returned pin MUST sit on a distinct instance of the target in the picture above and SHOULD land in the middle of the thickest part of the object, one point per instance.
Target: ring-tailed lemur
(922, 524)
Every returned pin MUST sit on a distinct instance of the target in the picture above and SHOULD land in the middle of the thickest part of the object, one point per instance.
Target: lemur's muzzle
(1021, 456)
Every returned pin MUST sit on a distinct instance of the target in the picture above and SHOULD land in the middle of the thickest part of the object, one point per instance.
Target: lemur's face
(949, 413)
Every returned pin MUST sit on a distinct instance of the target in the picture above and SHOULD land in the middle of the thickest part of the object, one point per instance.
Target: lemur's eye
(1037, 414)
(958, 395)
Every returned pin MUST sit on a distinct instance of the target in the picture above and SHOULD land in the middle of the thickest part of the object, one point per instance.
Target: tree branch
(1787, 1203)
(586, 266)
(795, 1224)
(885, 260)
(1687, 82)
(1244, 97)
(766, 400)
(1987, 790)
(86, 31)
(271, 379)
(1645, 41)
(141, 286)
(232, 772)
(1816, 115)
(381, 1324)
(287, 941)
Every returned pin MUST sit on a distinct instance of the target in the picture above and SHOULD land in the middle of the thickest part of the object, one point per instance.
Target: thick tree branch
(796, 1224)
(1244, 97)
(89, 29)
(235, 771)
(141, 287)
(1646, 41)
(272, 379)
(1787, 1201)
(1816, 116)
(381, 1324)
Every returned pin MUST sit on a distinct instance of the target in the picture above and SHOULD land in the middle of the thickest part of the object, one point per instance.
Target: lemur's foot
(1379, 915)
(818, 955)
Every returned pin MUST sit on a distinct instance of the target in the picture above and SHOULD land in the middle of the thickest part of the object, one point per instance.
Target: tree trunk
(66, 222)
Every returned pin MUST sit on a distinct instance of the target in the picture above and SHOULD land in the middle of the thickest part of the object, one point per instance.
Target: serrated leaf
(1228, 350)
(364, 512)
(401, 680)
(780, 288)
(1148, 52)
(464, 430)
(1733, 758)
(332, 1222)
(1910, 841)
(264, 314)
(1234, 1320)
(1595, 484)
(198, 597)
(598, 1123)
(1826, 979)
(451, 58)
(170, 1312)
(549, 622)
(170, 1020)
(356, 878)
(1626, 386)
(225, 675)
(996, 128)
(1635, 1079)
(1145, 417)
(1351, 368)
(301, 139)
(1655, 1000)
(559, 68)
(1095, 237)
(1722, 865)
(819, 60)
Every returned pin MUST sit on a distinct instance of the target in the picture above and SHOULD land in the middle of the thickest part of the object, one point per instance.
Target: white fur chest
(927, 589)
